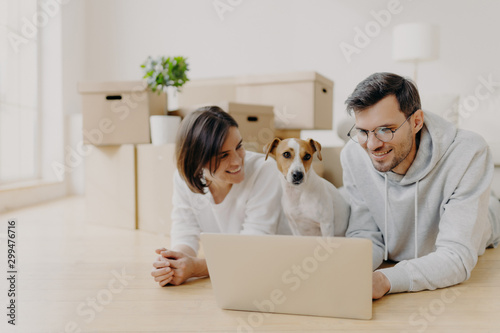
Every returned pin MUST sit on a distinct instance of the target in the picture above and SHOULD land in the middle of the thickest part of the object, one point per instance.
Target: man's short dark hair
(379, 85)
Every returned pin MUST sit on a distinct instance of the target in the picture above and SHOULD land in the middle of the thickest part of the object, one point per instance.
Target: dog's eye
(307, 157)
(286, 154)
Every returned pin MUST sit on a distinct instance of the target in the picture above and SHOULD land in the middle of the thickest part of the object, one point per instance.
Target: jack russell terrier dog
(312, 205)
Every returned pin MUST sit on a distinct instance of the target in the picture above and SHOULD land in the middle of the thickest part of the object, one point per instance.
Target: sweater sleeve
(361, 223)
(263, 208)
(185, 227)
(463, 231)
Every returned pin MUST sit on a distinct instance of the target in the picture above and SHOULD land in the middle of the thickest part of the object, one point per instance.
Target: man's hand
(380, 286)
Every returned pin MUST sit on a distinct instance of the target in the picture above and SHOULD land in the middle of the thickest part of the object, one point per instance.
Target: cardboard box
(332, 168)
(204, 92)
(155, 172)
(318, 167)
(110, 186)
(495, 152)
(118, 112)
(256, 122)
(286, 134)
(301, 100)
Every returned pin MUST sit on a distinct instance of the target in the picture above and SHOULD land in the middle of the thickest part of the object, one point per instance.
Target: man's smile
(380, 154)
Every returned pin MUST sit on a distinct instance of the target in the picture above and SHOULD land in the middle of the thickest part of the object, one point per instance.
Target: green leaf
(173, 72)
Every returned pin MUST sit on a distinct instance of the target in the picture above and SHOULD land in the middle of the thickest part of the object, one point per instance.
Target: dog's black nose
(297, 176)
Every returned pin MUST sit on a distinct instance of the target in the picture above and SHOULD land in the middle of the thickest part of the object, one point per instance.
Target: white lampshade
(415, 42)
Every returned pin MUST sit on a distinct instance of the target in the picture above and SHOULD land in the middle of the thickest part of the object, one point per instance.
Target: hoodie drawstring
(385, 224)
(416, 220)
(386, 240)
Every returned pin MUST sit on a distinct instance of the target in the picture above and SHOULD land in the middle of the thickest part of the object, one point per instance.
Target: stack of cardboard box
(129, 181)
(115, 121)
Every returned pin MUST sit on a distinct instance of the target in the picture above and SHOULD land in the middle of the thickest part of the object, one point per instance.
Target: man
(419, 188)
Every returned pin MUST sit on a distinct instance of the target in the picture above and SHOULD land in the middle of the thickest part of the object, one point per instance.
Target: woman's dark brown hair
(199, 141)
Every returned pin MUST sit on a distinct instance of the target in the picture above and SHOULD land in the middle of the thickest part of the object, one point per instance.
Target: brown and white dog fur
(312, 205)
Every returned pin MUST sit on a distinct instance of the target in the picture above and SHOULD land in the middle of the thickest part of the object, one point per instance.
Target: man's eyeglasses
(384, 134)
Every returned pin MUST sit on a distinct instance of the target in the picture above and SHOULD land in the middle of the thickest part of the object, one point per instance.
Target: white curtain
(19, 26)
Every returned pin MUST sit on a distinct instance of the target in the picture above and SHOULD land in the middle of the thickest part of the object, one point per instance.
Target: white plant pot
(164, 129)
(172, 98)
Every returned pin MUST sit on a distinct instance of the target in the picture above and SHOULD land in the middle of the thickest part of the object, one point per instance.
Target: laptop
(317, 276)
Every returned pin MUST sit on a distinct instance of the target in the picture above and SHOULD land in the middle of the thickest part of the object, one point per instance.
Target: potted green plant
(167, 75)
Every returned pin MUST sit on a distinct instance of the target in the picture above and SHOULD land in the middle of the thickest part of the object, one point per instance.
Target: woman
(218, 187)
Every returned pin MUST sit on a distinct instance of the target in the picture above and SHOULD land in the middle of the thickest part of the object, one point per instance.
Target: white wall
(113, 37)
(262, 36)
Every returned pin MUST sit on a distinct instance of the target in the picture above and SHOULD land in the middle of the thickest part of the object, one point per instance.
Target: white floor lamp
(415, 42)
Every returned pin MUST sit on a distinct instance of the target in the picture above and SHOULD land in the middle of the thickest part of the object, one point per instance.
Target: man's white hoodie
(434, 220)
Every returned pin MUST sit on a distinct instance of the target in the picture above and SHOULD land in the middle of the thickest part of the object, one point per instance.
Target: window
(19, 134)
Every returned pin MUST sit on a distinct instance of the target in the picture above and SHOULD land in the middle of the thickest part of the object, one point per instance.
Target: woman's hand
(175, 267)
(162, 272)
(183, 266)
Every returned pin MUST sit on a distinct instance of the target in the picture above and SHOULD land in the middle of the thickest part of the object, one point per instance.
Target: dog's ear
(271, 146)
(317, 147)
